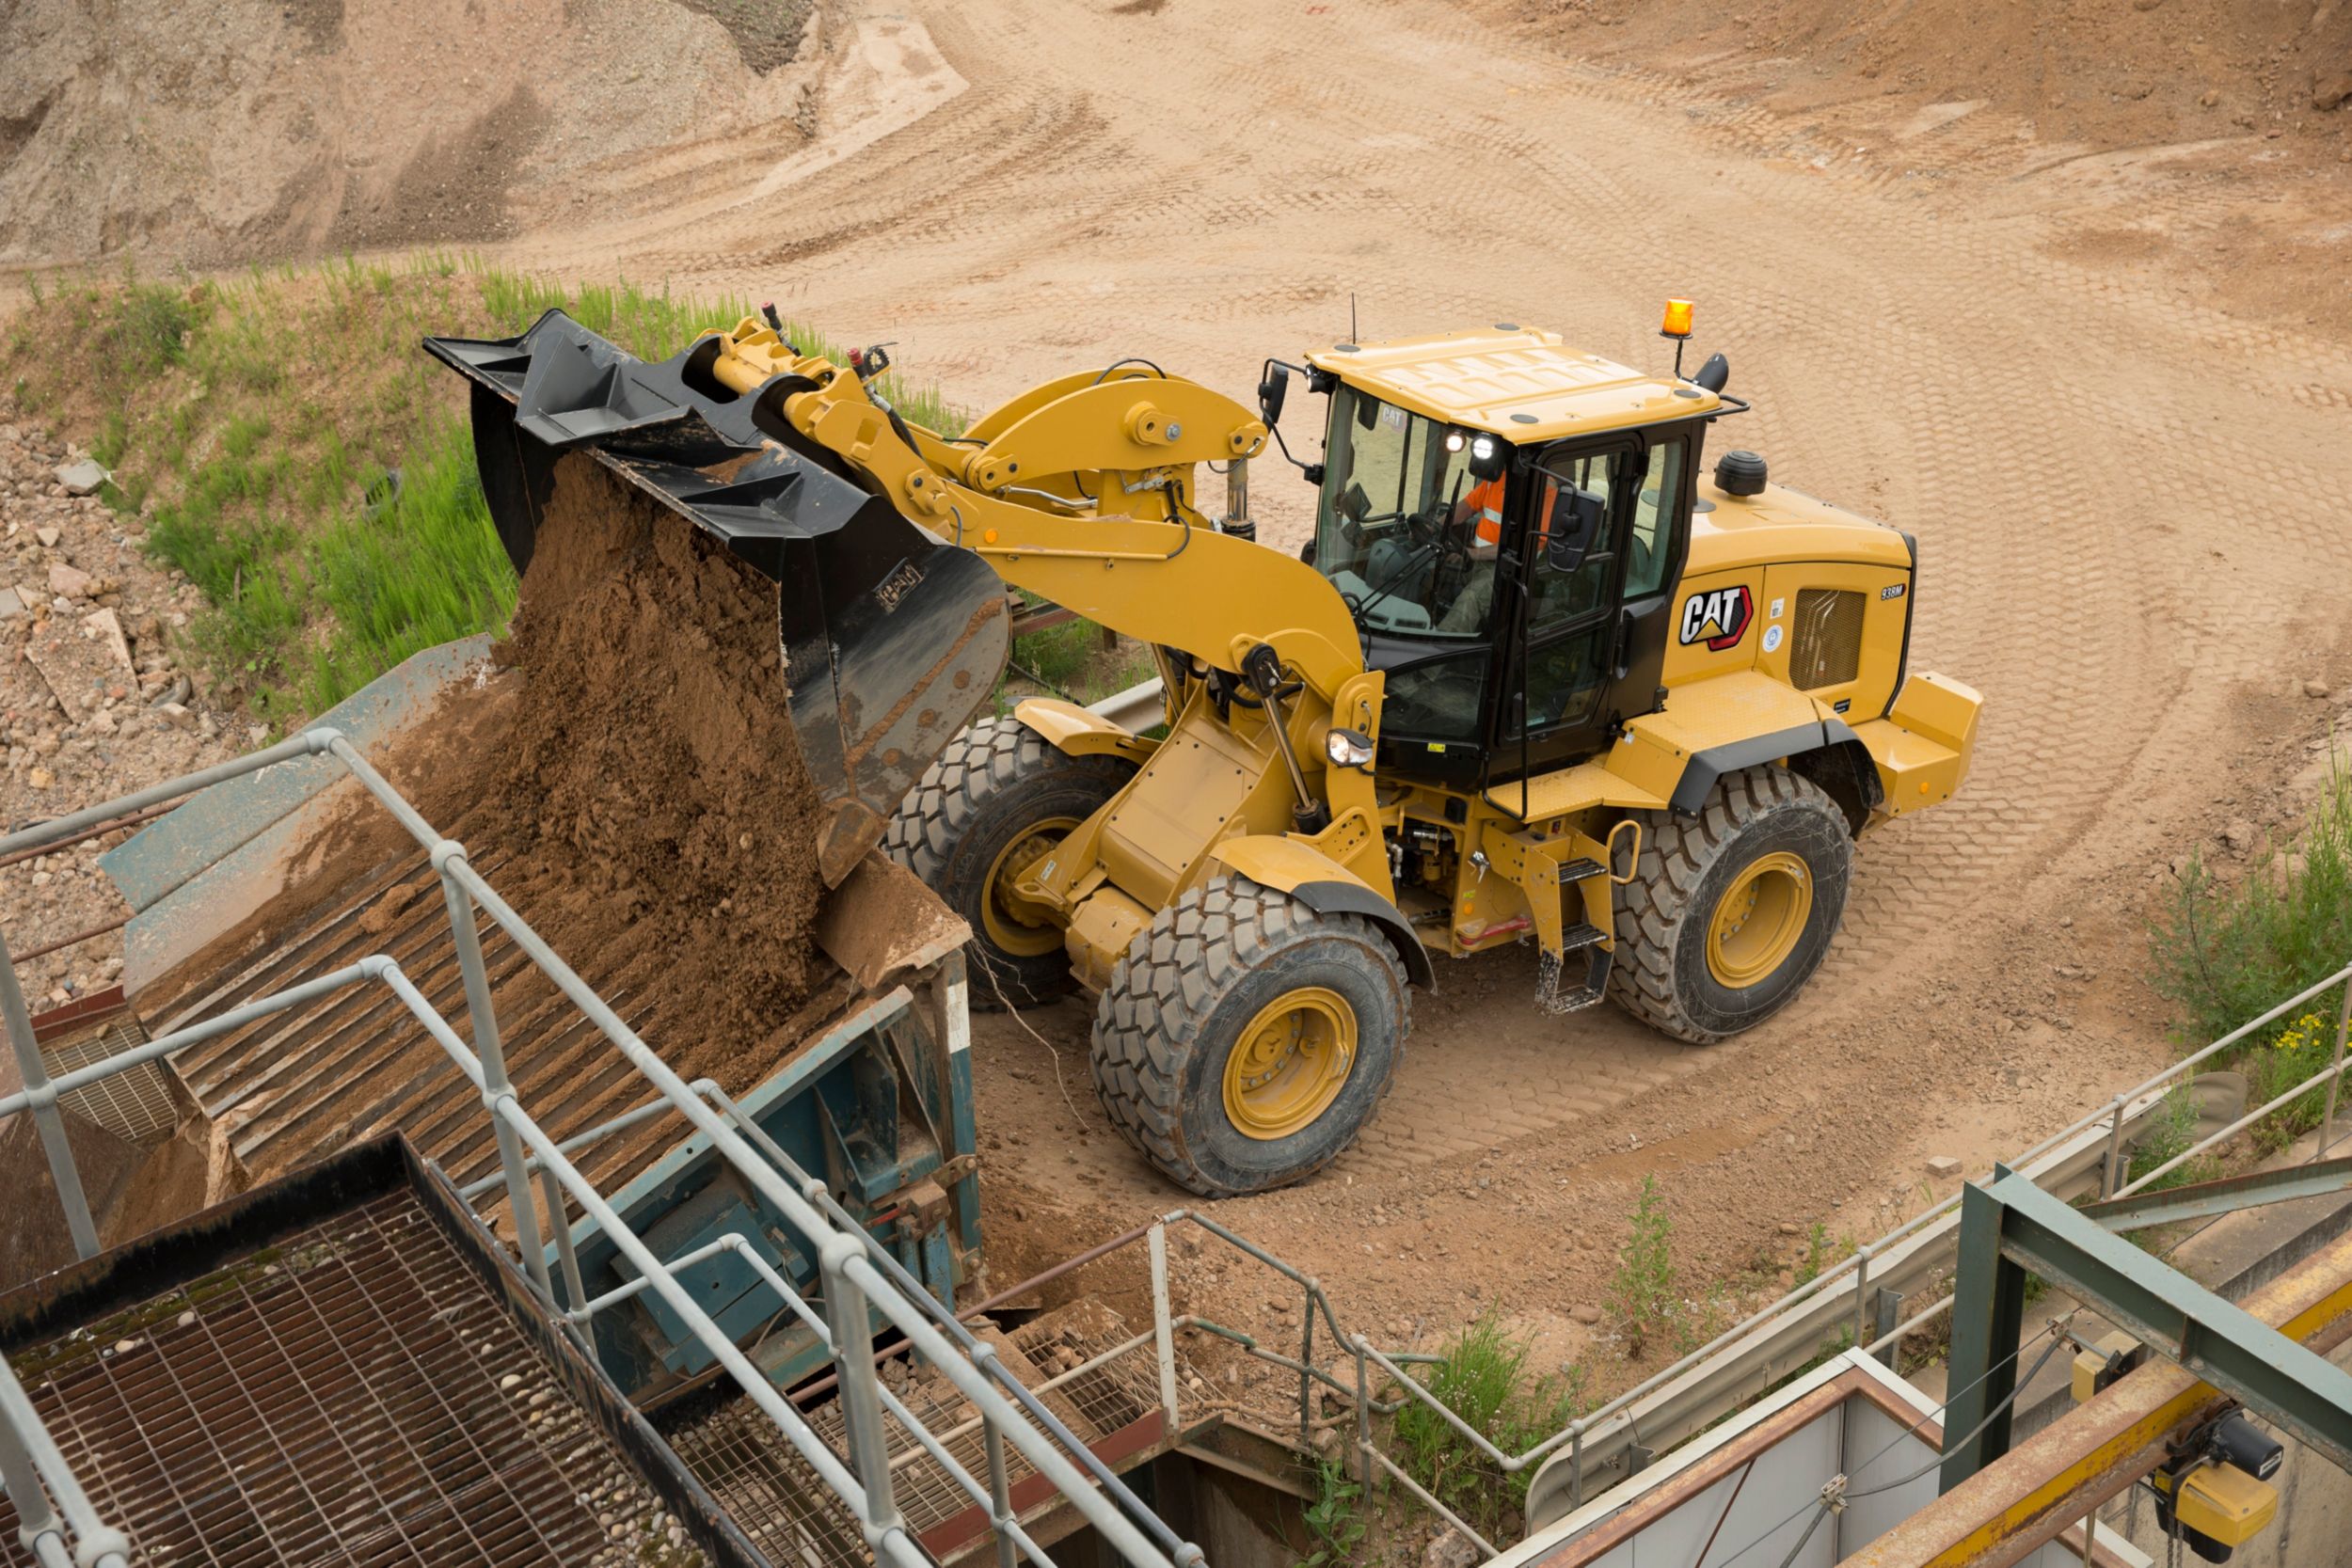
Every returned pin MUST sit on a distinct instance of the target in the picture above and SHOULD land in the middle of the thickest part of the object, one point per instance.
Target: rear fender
(1080, 732)
(1847, 775)
(1326, 887)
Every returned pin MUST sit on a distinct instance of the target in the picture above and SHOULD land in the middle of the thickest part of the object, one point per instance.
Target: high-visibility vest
(1486, 503)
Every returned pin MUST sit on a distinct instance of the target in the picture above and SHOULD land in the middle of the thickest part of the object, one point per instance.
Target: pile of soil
(649, 769)
(2104, 72)
(274, 130)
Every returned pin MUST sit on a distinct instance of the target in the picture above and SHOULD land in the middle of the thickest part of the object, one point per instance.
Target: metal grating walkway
(309, 1081)
(355, 1394)
(136, 1106)
(794, 1518)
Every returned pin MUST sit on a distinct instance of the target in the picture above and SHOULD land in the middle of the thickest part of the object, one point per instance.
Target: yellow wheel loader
(1541, 675)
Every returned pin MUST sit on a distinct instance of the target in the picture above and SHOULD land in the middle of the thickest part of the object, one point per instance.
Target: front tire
(1731, 912)
(1245, 1040)
(996, 800)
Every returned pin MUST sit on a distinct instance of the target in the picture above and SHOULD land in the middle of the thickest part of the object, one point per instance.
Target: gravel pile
(93, 704)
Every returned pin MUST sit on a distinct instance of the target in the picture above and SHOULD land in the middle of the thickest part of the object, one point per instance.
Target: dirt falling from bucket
(651, 765)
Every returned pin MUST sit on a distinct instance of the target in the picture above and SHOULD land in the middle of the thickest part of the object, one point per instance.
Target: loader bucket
(892, 637)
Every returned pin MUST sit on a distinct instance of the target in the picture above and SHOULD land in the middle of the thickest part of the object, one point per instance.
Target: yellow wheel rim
(1291, 1062)
(1013, 925)
(1760, 919)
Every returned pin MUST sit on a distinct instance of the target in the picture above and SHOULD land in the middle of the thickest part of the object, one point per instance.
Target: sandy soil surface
(2119, 473)
(225, 130)
(2102, 382)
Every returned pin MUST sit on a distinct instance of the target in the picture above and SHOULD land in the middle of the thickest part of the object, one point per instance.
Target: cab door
(1599, 536)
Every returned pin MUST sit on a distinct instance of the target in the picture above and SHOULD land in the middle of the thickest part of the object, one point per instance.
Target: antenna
(1351, 317)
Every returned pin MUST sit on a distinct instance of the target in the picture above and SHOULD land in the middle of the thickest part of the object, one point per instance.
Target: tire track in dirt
(1209, 183)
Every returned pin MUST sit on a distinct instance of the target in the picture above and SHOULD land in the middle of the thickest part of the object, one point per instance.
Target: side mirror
(1713, 375)
(1573, 524)
(1272, 389)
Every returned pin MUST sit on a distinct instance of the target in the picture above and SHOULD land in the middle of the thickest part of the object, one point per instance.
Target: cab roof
(1511, 381)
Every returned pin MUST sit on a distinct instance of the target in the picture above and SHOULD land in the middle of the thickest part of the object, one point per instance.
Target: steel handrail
(848, 1257)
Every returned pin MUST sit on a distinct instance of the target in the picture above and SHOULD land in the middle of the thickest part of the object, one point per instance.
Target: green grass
(1647, 1287)
(252, 415)
(1483, 1377)
(1335, 1519)
(2225, 950)
(1072, 661)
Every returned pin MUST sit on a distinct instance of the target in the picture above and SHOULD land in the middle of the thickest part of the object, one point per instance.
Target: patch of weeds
(248, 416)
(2223, 952)
(1483, 1378)
(421, 567)
(1075, 660)
(2297, 1053)
(1816, 1254)
(151, 326)
(114, 435)
(1335, 1519)
(1646, 1288)
(2170, 1134)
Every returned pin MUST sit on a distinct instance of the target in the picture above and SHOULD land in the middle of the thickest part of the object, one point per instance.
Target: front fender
(1326, 887)
(1080, 732)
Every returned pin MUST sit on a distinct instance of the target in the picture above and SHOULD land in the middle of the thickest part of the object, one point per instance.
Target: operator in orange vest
(1480, 511)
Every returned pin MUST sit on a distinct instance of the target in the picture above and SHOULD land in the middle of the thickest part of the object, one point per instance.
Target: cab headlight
(1347, 748)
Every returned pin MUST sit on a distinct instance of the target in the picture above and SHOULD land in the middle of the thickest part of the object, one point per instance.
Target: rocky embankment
(93, 703)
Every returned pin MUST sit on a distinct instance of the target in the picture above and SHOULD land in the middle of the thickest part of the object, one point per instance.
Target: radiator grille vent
(1827, 647)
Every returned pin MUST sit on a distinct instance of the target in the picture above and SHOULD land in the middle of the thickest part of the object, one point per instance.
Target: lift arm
(1082, 491)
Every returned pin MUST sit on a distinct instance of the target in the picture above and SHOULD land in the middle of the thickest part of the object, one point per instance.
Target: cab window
(1402, 529)
(1653, 518)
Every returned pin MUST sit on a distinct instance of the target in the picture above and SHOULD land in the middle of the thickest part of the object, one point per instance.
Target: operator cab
(1505, 520)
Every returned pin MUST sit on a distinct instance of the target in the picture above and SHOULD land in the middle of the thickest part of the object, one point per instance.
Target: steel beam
(2206, 1199)
(1987, 1313)
(2006, 1511)
(2179, 1318)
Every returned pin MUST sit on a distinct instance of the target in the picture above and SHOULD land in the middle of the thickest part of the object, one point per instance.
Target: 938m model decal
(1718, 618)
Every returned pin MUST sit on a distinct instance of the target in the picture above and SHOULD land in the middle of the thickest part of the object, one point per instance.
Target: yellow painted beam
(2052, 1480)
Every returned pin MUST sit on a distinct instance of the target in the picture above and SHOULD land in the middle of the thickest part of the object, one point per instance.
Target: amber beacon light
(1678, 323)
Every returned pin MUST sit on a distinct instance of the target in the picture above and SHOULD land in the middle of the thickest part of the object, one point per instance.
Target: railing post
(1306, 1374)
(1887, 1313)
(495, 1086)
(2111, 1171)
(1860, 1293)
(45, 1113)
(1576, 1462)
(1363, 1421)
(853, 1334)
(35, 1517)
(999, 1492)
(1162, 1332)
(560, 1221)
(2335, 1078)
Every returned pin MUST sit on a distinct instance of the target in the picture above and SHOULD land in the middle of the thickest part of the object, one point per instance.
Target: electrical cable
(1991, 1416)
(1822, 1503)
(1131, 359)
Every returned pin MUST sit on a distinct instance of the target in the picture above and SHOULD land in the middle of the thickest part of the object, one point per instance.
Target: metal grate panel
(309, 1081)
(1825, 648)
(792, 1516)
(137, 1105)
(354, 1394)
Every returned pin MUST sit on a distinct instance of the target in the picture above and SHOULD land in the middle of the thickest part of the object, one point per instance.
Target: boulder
(83, 478)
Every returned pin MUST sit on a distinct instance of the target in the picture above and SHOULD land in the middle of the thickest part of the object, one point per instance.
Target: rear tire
(1245, 1040)
(1731, 912)
(998, 797)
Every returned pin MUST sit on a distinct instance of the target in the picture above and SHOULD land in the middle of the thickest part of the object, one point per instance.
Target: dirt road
(2128, 506)
(2127, 503)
